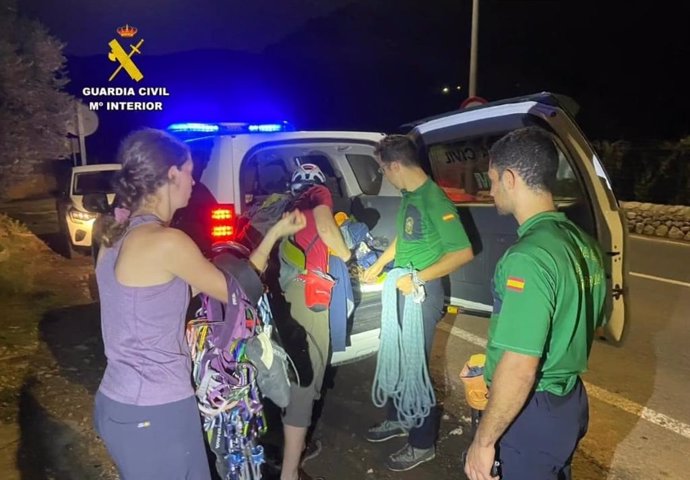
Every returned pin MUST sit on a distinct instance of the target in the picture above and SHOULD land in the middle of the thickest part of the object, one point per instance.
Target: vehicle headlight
(79, 215)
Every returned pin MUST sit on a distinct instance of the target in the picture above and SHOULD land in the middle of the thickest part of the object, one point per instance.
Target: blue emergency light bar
(230, 128)
(269, 127)
(194, 127)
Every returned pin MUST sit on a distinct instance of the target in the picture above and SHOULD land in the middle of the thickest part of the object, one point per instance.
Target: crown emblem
(127, 31)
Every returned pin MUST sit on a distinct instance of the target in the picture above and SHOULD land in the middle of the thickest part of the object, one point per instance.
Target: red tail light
(223, 222)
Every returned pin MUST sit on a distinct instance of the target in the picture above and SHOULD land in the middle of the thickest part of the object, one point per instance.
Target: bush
(15, 254)
(654, 172)
(34, 109)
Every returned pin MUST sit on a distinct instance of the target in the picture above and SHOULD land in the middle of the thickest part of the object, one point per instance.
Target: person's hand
(405, 285)
(479, 462)
(371, 274)
(290, 224)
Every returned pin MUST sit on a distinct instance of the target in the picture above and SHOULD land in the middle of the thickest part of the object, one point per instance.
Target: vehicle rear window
(93, 182)
(461, 169)
(367, 173)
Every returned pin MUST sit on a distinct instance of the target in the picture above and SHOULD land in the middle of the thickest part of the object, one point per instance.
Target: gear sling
(224, 376)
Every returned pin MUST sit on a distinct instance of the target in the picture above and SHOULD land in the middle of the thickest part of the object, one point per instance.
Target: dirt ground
(50, 362)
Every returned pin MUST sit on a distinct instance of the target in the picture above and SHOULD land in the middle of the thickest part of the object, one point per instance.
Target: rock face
(666, 221)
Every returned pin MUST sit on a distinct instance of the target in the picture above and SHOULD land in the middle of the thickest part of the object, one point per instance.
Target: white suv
(242, 164)
(77, 221)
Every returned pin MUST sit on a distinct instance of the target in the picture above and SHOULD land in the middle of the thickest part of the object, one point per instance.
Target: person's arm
(259, 257)
(329, 232)
(512, 382)
(448, 263)
(511, 385)
(181, 257)
(386, 257)
(443, 216)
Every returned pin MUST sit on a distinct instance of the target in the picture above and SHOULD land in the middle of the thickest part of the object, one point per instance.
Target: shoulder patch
(515, 284)
(448, 217)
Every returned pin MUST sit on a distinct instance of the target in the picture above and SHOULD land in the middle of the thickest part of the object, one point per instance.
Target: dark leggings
(153, 442)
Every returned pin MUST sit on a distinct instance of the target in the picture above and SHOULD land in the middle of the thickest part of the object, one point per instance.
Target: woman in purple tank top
(145, 409)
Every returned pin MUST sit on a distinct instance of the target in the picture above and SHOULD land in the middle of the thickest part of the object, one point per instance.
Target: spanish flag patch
(515, 284)
(448, 217)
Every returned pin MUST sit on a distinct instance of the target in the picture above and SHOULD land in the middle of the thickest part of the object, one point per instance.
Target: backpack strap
(247, 280)
(311, 244)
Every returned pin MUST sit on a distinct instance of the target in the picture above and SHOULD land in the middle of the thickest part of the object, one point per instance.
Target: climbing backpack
(235, 363)
(318, 285)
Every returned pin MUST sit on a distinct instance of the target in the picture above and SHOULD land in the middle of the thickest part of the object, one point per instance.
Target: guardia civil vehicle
(242, 164)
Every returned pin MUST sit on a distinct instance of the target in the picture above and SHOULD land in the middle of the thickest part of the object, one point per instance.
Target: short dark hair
(398, 148)
(531, 153)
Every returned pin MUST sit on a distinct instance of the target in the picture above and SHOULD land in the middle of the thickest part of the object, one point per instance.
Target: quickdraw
(227, 393)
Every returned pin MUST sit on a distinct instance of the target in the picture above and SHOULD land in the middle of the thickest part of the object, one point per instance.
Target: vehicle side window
(461, 170)
(366, 171)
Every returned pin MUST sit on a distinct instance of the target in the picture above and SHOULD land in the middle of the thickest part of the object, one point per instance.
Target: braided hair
(146, 155)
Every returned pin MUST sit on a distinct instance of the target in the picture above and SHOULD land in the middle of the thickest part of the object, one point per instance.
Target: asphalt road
(639, 392)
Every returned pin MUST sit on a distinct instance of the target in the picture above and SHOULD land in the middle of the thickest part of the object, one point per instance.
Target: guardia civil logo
(125, 53)
(118, 54)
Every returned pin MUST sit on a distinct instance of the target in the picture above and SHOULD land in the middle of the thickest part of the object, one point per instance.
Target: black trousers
(541, 441)
(432, 312)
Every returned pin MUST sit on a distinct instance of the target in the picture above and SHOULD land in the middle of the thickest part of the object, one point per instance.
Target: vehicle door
(455, 149)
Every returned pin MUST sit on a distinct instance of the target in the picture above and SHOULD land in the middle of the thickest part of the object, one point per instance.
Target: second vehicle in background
(76, 222)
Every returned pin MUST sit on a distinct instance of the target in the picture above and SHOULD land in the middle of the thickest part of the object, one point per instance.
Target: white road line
(648, 414)
(599, 393)
(660, 279)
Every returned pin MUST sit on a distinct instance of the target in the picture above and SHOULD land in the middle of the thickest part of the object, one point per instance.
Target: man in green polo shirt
(430, 239)
(549, 294)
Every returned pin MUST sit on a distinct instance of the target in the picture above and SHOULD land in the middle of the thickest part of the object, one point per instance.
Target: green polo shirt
(427, 227)
(549, 294)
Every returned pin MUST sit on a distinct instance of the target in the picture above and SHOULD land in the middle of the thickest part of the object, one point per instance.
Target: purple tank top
(143, 328)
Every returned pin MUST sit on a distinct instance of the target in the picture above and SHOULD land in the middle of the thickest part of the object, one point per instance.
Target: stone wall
(666, 221)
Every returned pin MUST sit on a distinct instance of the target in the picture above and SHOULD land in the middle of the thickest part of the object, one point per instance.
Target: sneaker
(385, 431)
(409, 457)
(312, 451)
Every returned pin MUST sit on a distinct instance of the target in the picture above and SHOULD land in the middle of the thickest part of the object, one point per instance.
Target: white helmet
(305, 176)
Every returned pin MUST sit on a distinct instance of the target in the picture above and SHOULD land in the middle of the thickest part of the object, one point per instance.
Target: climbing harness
(401, 370)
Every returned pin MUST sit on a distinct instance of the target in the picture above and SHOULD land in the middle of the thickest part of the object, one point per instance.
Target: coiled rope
(401, 369)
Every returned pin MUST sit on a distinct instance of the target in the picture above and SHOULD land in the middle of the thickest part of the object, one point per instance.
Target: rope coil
(401, 369)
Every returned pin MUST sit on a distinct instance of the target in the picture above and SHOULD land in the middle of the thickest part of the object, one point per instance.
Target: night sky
(376, 64)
